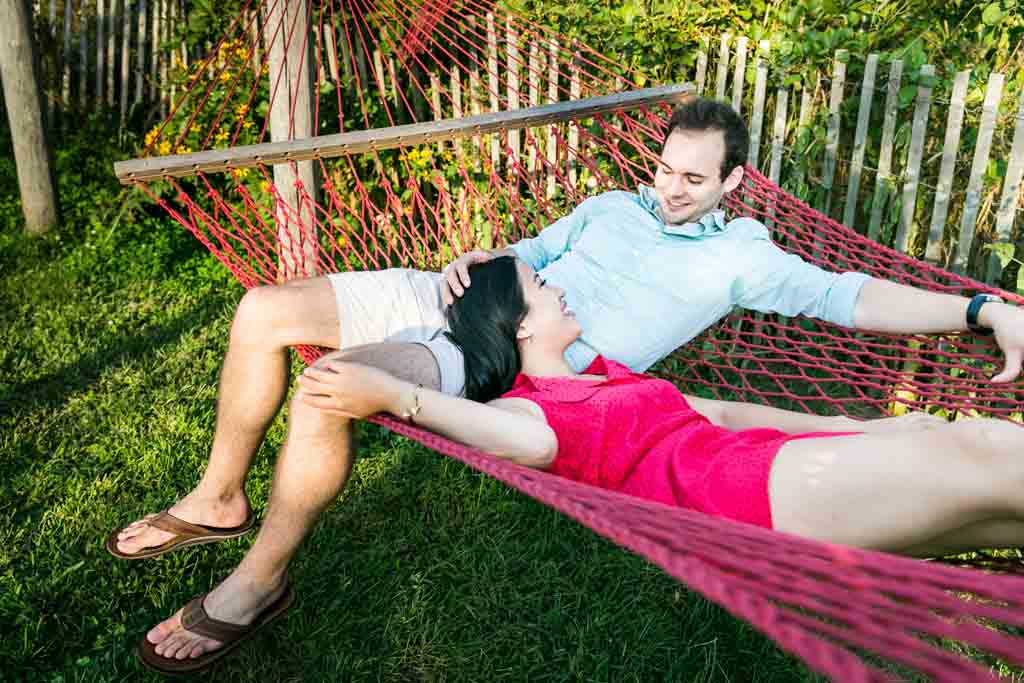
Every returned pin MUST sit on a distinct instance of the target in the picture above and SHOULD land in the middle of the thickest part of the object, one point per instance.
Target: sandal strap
(165, 521)
(194, 618)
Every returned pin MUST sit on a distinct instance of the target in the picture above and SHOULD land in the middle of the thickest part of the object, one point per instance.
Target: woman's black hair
(483, 323)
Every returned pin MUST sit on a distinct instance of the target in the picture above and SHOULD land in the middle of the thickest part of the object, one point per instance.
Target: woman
(914, 485)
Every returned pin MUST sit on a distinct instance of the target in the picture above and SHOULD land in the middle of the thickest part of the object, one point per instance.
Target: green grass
(111, 335)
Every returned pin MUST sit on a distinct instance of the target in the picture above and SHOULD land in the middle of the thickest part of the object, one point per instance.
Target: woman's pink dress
(637, 434)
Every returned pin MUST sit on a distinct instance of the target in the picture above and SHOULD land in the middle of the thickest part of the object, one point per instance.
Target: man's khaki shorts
(398, 305)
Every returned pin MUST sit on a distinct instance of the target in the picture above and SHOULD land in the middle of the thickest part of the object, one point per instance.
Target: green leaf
(1004, 252)
(992, 14)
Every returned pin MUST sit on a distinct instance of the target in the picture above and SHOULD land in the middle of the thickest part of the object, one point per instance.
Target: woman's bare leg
(956, 487)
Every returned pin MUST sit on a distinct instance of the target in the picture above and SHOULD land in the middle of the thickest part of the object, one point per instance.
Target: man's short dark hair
(701, 114)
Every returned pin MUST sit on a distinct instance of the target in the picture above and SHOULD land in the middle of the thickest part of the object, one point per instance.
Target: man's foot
(210, 627)
(230, 515)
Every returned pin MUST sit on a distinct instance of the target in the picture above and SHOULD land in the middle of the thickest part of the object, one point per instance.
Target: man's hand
(350, 389)
(455, 278)
(1007, 323)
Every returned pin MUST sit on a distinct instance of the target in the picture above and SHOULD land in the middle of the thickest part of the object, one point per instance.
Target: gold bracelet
(410, 414)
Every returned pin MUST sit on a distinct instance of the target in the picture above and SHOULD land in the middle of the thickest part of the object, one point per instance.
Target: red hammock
(394, 197)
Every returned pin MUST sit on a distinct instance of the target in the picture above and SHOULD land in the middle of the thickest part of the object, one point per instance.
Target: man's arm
(780, 282)
(889, 307)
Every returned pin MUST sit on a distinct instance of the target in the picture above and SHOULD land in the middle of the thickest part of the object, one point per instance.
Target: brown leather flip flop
(186, 534)
(195, 619)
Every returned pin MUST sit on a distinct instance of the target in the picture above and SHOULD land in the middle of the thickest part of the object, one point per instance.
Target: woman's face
(548, 322)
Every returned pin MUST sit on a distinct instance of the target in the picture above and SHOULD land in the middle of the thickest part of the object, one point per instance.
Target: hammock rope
(398, 196)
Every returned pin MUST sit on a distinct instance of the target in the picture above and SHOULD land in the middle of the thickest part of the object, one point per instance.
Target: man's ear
(733, 180)
(523, 333)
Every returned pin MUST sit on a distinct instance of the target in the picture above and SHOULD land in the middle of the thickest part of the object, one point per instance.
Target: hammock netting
(392, 198)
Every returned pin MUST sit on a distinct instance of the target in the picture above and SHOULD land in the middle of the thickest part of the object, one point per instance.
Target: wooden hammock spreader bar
(357, 142)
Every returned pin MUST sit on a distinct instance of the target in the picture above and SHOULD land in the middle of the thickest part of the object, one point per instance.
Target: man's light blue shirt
(641, 288)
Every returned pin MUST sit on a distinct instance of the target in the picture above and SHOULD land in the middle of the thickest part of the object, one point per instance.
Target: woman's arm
(510, 428)
(737, 416)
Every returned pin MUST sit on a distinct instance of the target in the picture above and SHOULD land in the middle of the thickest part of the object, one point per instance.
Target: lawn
(111, 335)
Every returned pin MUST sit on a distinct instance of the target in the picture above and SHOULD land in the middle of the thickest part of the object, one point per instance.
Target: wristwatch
(974, 307)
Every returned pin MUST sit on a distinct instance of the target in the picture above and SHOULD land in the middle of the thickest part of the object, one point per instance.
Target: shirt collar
(568, 388)
(709, 224)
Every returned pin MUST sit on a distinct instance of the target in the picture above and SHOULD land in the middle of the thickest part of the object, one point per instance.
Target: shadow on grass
(53, 389)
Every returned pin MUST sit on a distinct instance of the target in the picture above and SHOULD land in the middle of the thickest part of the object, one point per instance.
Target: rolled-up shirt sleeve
(779, 282)
(554, 240)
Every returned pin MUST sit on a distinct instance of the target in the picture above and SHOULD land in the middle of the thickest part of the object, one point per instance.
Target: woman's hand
(351, 389)
(910, 422)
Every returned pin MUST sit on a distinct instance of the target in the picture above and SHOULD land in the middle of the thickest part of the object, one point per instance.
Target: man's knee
(254, 314)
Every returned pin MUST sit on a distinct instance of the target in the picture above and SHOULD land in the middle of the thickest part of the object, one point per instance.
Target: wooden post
(914, 156)
(1009, 198)
(512, 79)
(154, 47)
(989, 112)
(100, 51)
(479, 148)
(110, 21)
(867, 91)
(892, 104)
(739, 75)
(832, 134)
(723, 67)
(140, 52)
(126, 32)
(954, 123)
(702, 71)
(295, 220)
(24, 116)
(169, 18)
(455, 88)
(378, 74)
(65, 91)
(552, 156)
(806, 103)
(574, 126)
(332, 53)
(393, 73)
(760, 91)
(83, 56)
(778, 139)
(492, 73)
(435, 103)
(536, 64)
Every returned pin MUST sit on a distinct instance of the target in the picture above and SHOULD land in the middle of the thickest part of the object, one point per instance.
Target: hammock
(316, 199)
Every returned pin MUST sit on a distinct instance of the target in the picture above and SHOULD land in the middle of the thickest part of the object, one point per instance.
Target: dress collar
(569, 389)
(708, 224)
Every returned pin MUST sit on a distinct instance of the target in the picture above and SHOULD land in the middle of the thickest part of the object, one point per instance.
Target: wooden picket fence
(106, 56)
(898, 169)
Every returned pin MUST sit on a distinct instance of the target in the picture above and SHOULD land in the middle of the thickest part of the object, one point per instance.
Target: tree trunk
(24, 113)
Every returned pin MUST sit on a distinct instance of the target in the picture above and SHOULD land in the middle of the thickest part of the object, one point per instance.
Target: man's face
(688, 182)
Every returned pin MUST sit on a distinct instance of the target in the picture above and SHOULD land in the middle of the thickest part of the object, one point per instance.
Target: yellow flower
(241, 173)
(151, 136)
(242, 53)
(164, 147)
(264, 186)
(247, 124)
(222, 136)
(225, 77)
(182, 149)
(241, 110)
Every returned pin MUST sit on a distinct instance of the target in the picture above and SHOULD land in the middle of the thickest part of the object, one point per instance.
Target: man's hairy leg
(313, 467)
(253, 385)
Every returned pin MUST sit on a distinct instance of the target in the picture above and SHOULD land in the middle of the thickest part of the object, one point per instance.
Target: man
(644, 273)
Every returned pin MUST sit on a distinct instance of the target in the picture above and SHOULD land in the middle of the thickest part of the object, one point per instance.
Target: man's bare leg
(312, 468)
(253, 385)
